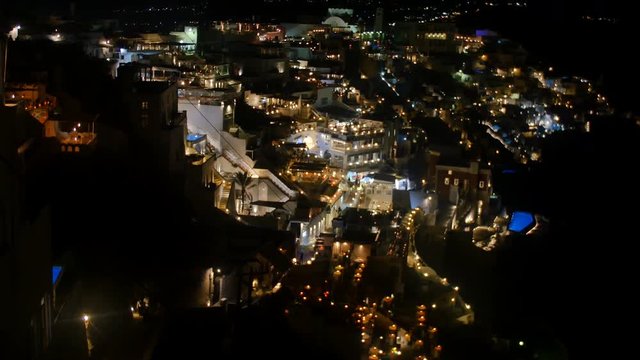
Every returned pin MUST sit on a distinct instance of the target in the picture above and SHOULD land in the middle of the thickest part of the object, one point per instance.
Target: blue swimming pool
(521, 221)
(195, 137)
(55, 272)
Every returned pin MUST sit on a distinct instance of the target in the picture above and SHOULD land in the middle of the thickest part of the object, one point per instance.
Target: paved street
(111, 330)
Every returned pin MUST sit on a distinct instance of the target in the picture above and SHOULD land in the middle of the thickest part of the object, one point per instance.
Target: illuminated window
(456, 182)
(144, 105)
(446, 181)
(481, 185)
(449, 172)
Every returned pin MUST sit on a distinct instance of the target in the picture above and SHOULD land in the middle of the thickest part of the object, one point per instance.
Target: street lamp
(4, 44)
(85, 319)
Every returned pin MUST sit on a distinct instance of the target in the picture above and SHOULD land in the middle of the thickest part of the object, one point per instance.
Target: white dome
(335, 22)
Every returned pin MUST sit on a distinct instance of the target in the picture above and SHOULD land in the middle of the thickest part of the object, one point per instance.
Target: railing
(264, 173)
(233, 158)
(364, 164)
(352, 135)
(363, 148)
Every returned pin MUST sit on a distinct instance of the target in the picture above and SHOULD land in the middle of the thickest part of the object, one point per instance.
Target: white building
(355, 145)
(212, 120)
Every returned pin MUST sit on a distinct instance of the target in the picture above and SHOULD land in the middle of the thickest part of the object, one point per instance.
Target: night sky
(599, 7)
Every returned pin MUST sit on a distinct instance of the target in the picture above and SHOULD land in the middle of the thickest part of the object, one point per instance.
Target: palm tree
(245, 181)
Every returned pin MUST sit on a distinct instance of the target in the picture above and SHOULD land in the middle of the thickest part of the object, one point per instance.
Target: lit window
(456, 182)
(481, 185)
(144, 105)
(449, 172)
(446, 181)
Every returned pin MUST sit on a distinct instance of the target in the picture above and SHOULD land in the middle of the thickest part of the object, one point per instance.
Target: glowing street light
(85, 319)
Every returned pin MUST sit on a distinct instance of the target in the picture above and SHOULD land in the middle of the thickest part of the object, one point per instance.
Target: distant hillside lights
(56, 36)
(436, 36)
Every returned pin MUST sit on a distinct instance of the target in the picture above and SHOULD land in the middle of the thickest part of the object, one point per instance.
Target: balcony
(366, 164)
(350, 135)
(363, 148)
